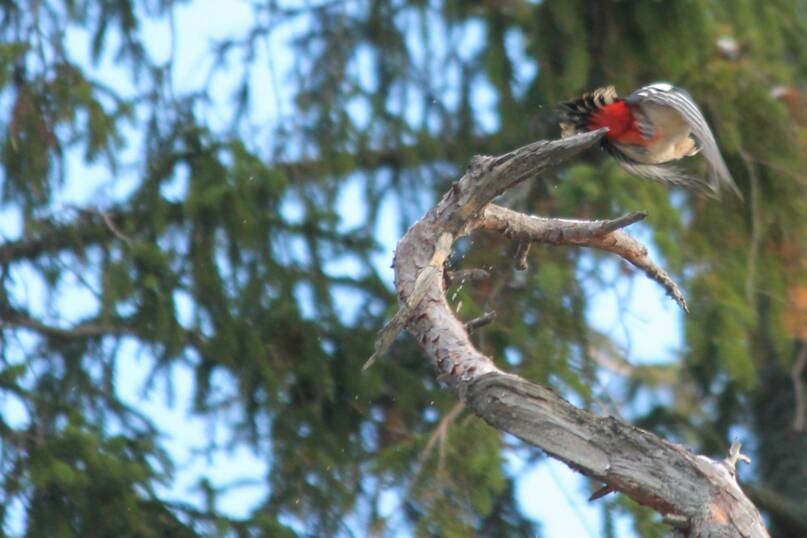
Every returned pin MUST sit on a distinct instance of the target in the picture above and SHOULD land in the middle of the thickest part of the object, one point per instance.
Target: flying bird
(648, 130)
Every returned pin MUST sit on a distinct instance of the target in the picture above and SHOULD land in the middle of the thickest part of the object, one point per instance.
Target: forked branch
(700, 494)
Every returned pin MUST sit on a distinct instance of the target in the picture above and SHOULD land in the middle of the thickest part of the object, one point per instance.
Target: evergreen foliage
(222, 247)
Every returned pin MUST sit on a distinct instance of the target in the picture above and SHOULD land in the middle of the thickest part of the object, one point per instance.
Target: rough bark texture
(701, 494)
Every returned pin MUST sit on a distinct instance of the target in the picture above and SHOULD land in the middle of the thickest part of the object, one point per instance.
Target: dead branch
(466, 275)
(485, 319)
(439, 436)
(699, 493)
(520, 259)
(600, 234)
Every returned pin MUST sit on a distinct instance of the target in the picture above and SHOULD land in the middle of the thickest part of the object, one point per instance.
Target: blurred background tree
(235, 221)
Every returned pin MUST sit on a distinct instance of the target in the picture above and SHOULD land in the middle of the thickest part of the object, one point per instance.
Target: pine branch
(93, 226)
(90, 227)
(700, 494)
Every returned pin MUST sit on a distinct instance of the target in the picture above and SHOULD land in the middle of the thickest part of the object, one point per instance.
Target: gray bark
(699, 494)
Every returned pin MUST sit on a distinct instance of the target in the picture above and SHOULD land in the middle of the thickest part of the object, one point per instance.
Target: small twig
(481, 321)
(800, 415)
(735, 455)
(800, 178)
(611, 362)
(522, 251)
(439, 434)
(602, 492)
(608, 226)
(114, 228)
(453, 278)
(107, 217)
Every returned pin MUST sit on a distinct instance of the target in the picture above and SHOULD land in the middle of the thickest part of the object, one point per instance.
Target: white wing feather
(663, 173)
(668, 95)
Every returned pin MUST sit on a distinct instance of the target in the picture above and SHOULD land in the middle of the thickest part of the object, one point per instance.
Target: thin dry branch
(520, 258)
(697, 492)
(601, 234)
(485, 319)
(438, 436)
(465, 275)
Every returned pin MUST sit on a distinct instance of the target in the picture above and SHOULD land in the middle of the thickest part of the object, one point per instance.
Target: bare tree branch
(481, 321)
(700, 494)
(601, 234)
(465, 275)
(438, 436)
(523, 249)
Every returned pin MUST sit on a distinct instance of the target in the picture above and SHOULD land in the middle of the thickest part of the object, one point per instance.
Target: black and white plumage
(649, 130)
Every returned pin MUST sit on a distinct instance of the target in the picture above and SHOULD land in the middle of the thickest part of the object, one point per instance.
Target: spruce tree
(226, 247)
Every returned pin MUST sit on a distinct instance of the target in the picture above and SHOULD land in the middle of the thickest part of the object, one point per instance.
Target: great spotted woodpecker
(647, 130)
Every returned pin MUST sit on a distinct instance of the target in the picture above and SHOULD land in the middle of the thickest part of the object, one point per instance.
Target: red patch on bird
(620, 122)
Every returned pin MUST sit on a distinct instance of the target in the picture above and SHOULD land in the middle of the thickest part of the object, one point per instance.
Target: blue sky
(635, 312)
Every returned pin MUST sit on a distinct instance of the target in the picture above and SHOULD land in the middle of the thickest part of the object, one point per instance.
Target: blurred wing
(662, 173)
(680, 100)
